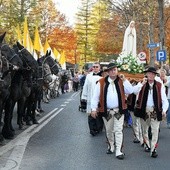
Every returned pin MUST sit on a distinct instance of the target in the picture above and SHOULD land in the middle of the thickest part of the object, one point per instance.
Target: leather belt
(114, 109)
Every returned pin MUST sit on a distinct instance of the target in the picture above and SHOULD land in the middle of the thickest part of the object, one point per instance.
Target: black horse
(51, 62)
(14, 60)
(36, 92)
(19, 90)
(9, 61)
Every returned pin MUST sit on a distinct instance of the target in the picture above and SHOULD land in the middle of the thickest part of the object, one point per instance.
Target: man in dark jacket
(64, 80)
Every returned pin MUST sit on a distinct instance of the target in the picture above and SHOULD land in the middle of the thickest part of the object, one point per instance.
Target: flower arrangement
(129, 64)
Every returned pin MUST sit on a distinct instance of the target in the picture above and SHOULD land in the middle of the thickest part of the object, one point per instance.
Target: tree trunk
(140, 37)
(161, 22)
(151, 40)
(161, 26)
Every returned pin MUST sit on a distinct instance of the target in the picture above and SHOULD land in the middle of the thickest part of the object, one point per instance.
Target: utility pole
(161, 25)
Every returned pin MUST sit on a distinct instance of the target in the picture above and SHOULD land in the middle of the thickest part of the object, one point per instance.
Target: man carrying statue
(109, 101)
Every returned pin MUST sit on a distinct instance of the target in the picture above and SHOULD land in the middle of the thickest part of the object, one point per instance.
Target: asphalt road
(62, 141)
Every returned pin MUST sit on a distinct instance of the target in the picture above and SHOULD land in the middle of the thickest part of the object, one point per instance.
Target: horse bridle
(52, 65)
(10, 59)
(46, 74)
(42, 69)
(1, 66)
(28, 66)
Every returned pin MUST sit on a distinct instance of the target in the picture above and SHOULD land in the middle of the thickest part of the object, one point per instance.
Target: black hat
(110, 66)
(150, 69)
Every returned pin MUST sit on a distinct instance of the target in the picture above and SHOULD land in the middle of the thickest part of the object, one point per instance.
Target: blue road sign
(161, 55)
(153, 45)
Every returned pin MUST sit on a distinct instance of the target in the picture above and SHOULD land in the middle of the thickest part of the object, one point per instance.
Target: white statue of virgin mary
(129, 42)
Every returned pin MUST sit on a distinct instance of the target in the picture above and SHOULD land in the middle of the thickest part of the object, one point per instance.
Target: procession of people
(110, 98)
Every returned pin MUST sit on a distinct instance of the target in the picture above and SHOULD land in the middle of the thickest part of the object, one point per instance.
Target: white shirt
(112, 96)
(88, 89)
(150, 102)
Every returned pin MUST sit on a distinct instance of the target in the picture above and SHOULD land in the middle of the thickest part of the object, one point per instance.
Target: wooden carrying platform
(132, 76)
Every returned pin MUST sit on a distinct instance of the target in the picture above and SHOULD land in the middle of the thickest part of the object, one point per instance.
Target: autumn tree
(104, 30)
(42, 13)
(167, 28)
(108, 40)
(53, 26)
(12, 12)
(83, 31)
(46, 16)
(145, 14)
(64, 39)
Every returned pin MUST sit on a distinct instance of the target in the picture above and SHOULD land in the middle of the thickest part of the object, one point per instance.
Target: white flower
(129, 64)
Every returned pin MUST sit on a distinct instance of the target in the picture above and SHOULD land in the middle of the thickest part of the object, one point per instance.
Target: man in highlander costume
(151, 107)
(109, 101)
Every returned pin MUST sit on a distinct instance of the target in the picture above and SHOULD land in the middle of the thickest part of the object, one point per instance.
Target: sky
(69, 8)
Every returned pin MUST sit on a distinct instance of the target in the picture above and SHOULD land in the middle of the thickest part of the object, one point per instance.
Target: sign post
(161, 55)
(142, 57)
(153, 45)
